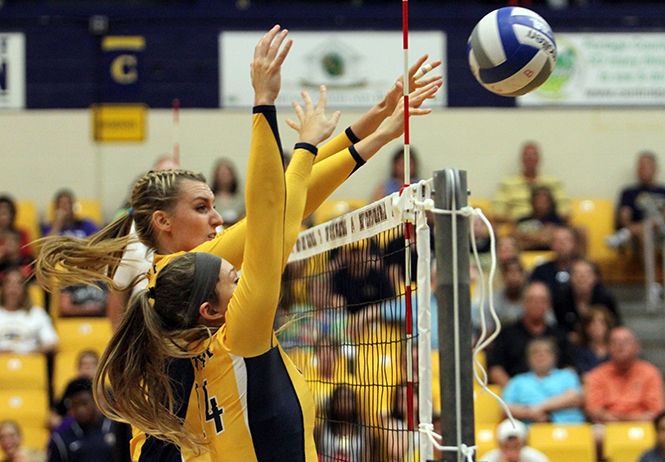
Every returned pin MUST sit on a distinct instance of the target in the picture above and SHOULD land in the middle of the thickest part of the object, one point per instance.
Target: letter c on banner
(123, 69)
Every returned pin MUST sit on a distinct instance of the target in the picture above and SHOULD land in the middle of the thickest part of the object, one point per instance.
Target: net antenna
(408, 229)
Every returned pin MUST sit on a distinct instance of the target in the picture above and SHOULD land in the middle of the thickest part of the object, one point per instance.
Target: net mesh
(343, 321)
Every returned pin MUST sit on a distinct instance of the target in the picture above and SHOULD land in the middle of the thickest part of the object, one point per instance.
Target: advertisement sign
(605, 69)
(12, 71)
(358, 68)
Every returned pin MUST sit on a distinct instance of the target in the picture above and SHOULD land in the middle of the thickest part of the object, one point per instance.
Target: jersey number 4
(212, 411)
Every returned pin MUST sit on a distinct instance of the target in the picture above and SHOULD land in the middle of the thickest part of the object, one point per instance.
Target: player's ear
(209, 313)
(161, 220)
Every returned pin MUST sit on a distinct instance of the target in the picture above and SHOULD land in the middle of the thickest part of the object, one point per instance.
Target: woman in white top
(24, 328)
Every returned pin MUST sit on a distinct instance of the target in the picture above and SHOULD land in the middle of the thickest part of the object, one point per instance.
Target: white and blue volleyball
(512, 51)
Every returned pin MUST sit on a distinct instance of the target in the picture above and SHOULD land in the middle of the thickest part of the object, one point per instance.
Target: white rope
(467, 451)
(484, 339)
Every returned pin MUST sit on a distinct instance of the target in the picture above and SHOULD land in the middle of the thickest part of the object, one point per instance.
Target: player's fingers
(265, 41)
(292, 124)
(418, 111)
(309, 106)
(335, 118)
(276, 44)
(323, 98)
(282, 54)
(416, 66)
(298, 110)
(426, 81)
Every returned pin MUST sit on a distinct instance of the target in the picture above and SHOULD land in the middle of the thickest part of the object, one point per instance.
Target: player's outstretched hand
(265, 70)
(313, 126)
(417, 80)
(394, 125)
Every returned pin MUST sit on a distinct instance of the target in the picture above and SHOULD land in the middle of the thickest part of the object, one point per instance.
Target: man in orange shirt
(624, 388)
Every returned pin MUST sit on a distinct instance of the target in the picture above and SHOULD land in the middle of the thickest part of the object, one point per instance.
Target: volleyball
(512, 51)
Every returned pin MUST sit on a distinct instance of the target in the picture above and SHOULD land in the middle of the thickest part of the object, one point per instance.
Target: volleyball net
(354, 318)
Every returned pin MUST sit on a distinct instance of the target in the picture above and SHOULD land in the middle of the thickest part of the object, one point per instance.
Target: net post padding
(454, 313)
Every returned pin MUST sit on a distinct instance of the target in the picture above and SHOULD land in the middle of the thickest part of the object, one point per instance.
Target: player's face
(226, 285)
(194, 219)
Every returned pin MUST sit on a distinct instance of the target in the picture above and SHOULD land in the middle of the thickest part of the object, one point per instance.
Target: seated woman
(534, 232)
(24, 327)
(229, 199)
(593, 333)
(11, 443)
(583, 290)
(545, 393)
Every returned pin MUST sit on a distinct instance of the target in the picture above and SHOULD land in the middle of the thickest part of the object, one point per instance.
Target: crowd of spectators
(563, 355)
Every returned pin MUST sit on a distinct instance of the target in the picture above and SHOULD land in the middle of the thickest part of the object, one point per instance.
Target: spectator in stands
(11, 442)
(343, 436)
(78, 300)
(86, 367)
(360, 280)
(593, 333)
(65, 222)
(11, 256)
(637, 202)
(512, 200)
(8, 223)
(229, 197)
(657, 453)
(545, 393)
(24, 328)
(507, 248)
(507, 357)
(508, 299)
(534, 231)
(90, 435)
(625, 387)
(396, 180)
(512, 445)
(583, 290)
(555, 273)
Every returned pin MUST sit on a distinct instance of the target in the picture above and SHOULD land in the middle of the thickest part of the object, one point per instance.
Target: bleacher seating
(78, 334)
(485, 439)
(625, 441)
(23, 372)
(29, 408)
(563, 443)
(27, 218)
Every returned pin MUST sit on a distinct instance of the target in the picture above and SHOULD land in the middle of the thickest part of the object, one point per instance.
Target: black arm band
(359, 160)
(309, 147)
(352, 136)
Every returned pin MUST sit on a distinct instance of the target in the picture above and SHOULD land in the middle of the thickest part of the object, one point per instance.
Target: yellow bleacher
(486, 409)
(563, 443)
(23, 372)
(29, 408)
(27, 218)
(625, 441)
(78, 334)
(485, 439)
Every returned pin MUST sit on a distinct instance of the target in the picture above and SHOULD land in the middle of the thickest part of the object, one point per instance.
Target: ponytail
(132, 384)
(67, 261)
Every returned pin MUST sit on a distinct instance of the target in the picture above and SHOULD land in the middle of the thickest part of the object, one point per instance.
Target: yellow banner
(118, 122)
